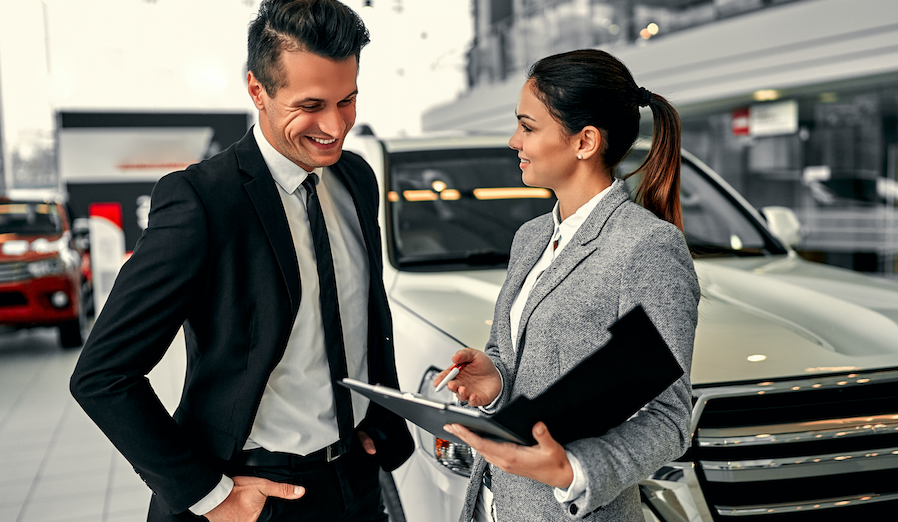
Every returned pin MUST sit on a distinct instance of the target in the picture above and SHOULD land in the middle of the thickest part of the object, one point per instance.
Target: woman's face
(547, 153)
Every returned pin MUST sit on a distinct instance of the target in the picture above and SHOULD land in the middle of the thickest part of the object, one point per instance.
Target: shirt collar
(565, 230)
(288, 175)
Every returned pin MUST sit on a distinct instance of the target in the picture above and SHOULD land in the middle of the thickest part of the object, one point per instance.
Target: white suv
(795, 369)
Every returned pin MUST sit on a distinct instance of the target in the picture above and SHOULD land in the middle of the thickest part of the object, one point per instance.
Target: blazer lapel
(379, 320)
(534, 245)
(580, 246)
(366, 214)
(267, 203)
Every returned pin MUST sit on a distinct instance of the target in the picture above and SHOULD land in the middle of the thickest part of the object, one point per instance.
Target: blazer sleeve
(147, 305)
(660, 276)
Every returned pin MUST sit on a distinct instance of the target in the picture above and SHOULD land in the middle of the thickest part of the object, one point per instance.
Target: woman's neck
(581, 187)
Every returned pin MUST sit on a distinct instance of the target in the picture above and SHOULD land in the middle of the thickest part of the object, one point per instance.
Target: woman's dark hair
(591, 87)
(324, 27)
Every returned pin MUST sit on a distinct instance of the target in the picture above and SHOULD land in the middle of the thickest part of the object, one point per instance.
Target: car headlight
(456, 457)
(45, 267)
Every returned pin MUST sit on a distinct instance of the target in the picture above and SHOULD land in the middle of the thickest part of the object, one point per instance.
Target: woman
(572, 274)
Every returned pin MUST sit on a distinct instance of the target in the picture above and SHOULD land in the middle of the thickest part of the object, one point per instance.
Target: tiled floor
(55, 464)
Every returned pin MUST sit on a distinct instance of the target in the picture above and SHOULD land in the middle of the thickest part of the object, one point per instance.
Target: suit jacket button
(573, 509)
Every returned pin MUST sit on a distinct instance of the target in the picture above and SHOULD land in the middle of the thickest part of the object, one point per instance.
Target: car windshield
(25, 218)
(458, 209)
(715, 225)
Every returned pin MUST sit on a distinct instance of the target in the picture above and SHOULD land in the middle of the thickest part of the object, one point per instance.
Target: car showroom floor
(56, 464)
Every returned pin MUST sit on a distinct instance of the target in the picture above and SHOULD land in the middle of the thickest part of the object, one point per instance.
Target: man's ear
(589, 142)
(256, 90)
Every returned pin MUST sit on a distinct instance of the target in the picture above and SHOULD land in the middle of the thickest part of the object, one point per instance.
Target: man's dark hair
(323, 27)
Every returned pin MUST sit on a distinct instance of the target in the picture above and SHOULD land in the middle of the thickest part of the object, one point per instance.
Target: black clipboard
(431, 414)
(601, 392)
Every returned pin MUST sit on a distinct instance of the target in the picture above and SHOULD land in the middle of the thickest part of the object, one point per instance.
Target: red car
(40, 271)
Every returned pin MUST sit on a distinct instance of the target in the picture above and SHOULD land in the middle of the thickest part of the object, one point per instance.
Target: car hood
(759, 318)
(458, 303)
(30, 247)
(768, 318)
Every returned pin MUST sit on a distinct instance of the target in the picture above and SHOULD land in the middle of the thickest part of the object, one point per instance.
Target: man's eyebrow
(321, 100)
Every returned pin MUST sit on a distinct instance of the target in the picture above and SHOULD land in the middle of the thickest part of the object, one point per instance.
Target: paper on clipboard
(431, 414)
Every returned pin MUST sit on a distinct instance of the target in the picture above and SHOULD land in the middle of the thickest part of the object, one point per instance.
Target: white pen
(452, 373)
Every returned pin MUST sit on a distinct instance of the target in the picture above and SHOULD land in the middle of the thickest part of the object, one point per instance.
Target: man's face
(312, 113)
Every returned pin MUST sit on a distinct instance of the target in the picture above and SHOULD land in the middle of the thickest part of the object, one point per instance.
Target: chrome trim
(684, 495)
(847, 376)
(797, 507)
(828, 429)
(801, 467)
(13, 271)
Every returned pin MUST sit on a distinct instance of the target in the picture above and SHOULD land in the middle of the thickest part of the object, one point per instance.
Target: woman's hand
(545, 462)
(478, 382)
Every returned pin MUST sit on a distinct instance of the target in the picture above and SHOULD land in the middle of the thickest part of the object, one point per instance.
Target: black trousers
(345, 490)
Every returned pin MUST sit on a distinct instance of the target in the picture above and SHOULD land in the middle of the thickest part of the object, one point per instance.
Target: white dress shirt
(564, 231)
(297, 413)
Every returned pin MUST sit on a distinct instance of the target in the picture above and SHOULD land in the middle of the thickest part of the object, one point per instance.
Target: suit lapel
(267, 204)
(534, 245)
(581, 245)
(378, 313)
(367, 215)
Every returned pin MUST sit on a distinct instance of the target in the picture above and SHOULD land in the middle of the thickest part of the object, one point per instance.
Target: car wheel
(70, 334)
(390, 497)
(87, 298)
(73, 333)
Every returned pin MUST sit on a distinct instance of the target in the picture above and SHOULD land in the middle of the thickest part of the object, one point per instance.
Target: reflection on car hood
(803, 318)
(792, 318)
(458, 303)
(30, 247)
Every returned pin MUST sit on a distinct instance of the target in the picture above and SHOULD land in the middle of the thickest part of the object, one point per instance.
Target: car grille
(15, 271)
(822, 449)
(12, 299)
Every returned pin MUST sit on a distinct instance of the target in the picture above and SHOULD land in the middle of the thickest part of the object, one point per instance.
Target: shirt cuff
(578, 485)
(214, 498)
(491, 407)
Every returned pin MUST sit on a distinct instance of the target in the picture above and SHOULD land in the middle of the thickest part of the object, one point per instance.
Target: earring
(579, 156)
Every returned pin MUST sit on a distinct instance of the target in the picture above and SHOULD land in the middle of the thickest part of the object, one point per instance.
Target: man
(233, 252)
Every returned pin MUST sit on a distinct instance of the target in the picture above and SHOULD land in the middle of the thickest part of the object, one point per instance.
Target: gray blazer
(622, 256)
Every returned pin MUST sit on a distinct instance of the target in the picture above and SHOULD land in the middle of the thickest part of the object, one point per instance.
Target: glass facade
(512, 34)
(833, 161)
(796, 110)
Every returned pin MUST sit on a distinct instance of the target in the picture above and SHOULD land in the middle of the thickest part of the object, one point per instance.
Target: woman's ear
(589, 142)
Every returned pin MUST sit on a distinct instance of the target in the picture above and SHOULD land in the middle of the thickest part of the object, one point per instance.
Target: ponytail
(659, 190)
(591, 87)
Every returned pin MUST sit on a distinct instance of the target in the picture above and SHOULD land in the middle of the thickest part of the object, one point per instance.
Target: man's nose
(331, 122)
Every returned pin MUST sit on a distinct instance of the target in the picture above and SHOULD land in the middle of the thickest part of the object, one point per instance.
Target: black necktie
(330, 310)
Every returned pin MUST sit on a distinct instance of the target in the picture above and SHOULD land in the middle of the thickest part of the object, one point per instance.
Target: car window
(458, 209)
(714, 223)
(29, 219)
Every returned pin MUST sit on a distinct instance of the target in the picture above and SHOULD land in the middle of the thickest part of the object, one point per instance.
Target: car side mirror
(784, 224)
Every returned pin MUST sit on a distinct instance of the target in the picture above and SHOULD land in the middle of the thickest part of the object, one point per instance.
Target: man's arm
(147, 306)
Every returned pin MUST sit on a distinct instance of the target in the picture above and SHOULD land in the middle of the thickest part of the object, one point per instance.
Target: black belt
(261, 457)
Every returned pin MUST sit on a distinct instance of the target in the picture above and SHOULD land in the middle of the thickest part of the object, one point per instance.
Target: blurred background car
(795, 369)
(40, 270)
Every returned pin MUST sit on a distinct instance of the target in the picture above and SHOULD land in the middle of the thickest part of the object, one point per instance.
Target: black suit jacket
(218, 258)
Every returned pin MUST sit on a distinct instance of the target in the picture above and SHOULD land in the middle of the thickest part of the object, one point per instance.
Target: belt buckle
(332, 450)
